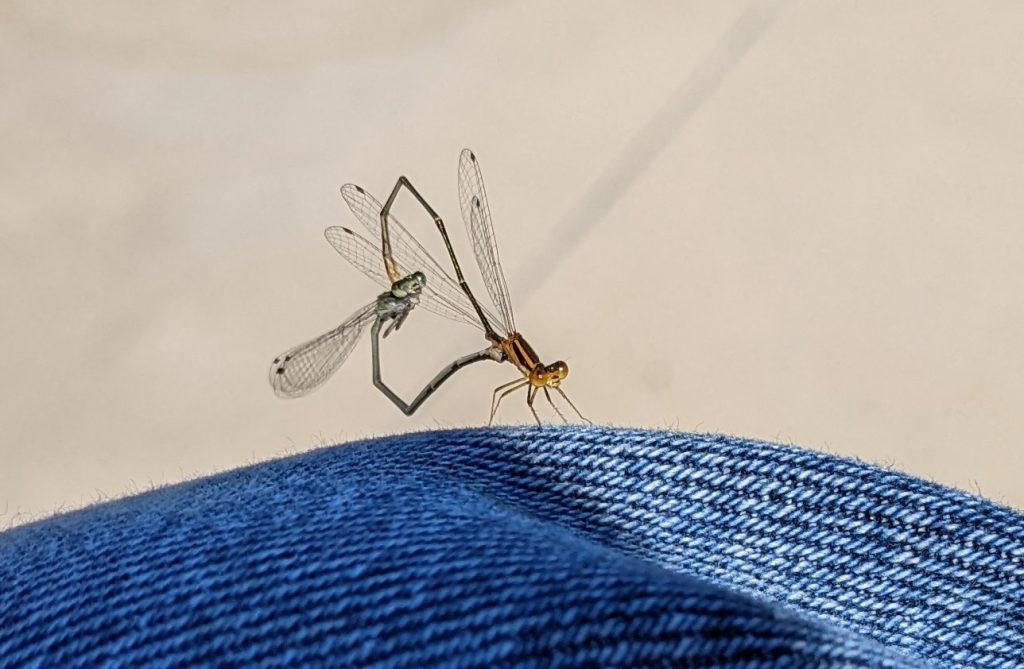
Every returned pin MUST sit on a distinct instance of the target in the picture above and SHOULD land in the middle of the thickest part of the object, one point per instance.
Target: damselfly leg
(504, 389)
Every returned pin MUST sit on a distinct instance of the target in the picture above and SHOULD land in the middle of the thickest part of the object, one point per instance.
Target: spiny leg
(566, 398)
(396, 323)
(547, 394)
(435, 383)
(496, 398)
(494, 395)
(530, 394)
(389, 262)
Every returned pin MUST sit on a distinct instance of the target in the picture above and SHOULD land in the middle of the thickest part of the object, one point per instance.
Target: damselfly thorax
(519, 352)
(396, 304)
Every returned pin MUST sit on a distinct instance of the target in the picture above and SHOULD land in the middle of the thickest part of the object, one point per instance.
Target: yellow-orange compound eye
(555, 372)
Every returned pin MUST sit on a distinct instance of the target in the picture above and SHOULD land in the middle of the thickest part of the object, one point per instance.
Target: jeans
(554, 546)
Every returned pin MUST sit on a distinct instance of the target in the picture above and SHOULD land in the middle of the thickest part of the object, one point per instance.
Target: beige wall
(792, 221)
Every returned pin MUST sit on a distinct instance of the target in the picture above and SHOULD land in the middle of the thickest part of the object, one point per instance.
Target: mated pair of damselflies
(401, 265)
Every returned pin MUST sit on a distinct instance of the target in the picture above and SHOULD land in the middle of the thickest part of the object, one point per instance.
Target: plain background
(795, 221)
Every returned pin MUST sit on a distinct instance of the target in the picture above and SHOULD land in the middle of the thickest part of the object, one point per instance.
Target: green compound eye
(409, 285)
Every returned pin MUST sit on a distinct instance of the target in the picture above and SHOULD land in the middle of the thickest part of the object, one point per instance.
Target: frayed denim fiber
(534, 547)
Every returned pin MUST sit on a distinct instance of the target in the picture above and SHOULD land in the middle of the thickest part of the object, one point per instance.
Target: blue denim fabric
(525, 547)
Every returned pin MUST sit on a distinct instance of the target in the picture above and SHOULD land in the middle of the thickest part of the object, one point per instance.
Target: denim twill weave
(525, 547)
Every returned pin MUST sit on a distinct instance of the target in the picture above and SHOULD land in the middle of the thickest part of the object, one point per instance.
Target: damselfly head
(553, 374)
(410, 285)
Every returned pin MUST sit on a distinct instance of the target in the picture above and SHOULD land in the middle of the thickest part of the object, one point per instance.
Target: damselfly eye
(559, 370)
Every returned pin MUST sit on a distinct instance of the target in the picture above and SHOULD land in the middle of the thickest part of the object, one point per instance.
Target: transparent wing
(476, 214)
(441, 295)
(304, 368)
(364, 255)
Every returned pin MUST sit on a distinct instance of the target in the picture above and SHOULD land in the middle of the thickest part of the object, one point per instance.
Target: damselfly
(506, 343)
(399, 269)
